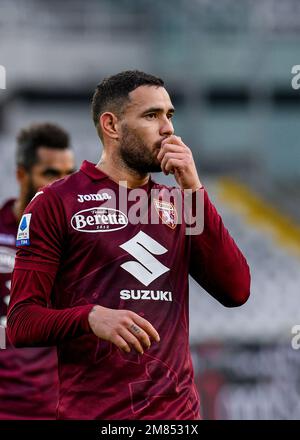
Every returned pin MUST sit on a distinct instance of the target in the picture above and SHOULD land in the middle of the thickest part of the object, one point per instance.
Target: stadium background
(228, 67)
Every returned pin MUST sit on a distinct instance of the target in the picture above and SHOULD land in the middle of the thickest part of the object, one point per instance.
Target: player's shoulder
(6, 206)
(59, 189)
(63, 185)
(7, 216)
(52, 194)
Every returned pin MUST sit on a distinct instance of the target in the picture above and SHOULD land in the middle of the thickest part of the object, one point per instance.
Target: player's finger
(173, 139)
(121, 343)
(173, 164)
(145, 325)
(167, 148)
(139, 333)
(170, 156)
(132, 340)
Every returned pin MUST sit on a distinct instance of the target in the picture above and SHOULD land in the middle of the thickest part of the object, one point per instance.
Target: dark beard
(136, 155)
(31, 191)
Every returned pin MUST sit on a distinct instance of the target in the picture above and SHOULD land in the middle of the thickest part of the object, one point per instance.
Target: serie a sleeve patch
(23, 238)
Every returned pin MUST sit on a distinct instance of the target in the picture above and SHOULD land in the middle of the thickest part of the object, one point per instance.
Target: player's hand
(176, 158)
(123, 328)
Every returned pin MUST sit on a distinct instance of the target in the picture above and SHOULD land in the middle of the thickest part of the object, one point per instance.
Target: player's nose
(166, 128)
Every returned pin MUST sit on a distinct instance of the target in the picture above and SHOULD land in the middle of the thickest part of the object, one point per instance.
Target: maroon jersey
(76, 250)
(28, 377)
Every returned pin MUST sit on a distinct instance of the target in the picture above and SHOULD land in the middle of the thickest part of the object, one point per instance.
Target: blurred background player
(28, 377)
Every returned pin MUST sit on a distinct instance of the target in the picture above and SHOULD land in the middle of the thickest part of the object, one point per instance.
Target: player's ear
(109, 125)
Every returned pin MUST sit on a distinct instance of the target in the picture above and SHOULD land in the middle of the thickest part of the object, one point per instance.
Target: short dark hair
(31, 138)
(112, 93)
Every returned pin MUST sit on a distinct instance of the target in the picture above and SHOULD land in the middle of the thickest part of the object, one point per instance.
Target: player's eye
(151, 115)
(170, 115)
(51, 173)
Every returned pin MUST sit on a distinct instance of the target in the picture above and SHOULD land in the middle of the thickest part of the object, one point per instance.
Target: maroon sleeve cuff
(84, 318)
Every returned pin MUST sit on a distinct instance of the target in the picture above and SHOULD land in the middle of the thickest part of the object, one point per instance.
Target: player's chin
(154, 166)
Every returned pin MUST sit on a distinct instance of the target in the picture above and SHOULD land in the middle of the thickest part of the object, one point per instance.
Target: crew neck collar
(95, 173)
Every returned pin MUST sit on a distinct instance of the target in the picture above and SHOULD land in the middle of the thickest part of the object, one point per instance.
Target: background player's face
(52, 165)
(145, 123)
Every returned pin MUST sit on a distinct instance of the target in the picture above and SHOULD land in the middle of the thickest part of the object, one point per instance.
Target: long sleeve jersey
(85, 240)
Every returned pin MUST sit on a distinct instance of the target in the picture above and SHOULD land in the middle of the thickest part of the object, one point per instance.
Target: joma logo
(88, 197)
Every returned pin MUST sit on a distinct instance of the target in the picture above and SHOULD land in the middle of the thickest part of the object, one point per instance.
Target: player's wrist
(195, 186)
(92, 318)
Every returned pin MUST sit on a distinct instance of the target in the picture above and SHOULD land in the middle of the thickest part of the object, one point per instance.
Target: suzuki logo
(147, 268)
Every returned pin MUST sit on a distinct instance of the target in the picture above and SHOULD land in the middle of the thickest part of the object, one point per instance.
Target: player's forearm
(30, 322)
(217, 263)
(34, 325)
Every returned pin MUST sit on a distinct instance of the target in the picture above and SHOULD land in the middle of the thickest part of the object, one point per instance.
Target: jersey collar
(94, 173)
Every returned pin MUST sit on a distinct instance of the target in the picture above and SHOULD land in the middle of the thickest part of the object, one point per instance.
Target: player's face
(145, 124)
(52, 165)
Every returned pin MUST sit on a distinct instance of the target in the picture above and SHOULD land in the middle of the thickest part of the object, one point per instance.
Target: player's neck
(118, 172)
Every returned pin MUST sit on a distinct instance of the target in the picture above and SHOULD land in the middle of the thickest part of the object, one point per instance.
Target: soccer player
(111, 292)
(28, 376)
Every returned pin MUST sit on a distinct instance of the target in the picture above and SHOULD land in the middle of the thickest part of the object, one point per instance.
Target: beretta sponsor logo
(99, 220)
